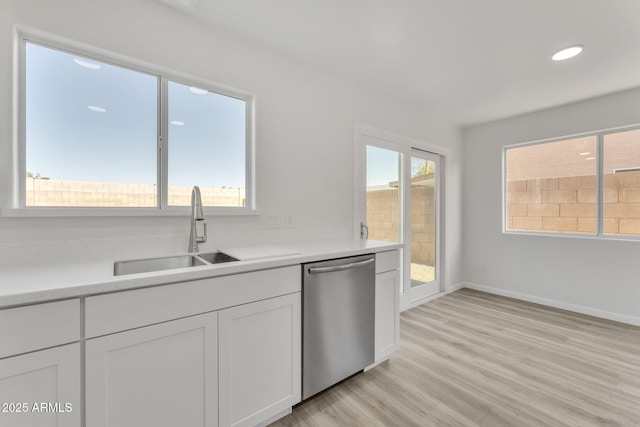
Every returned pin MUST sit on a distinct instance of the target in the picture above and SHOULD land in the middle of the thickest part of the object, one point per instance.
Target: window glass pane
(383, 192)
(622, 183)
(207, 147)
(423, 221)
(551, 187)
(91, 132)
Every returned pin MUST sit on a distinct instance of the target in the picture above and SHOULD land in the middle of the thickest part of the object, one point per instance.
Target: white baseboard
(455, 287)
(622, 318)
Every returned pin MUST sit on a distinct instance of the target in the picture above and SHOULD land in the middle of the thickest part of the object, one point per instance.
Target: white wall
(304, 131)
(594, 276)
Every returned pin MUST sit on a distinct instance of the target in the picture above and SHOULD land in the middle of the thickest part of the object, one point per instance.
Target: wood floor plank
(477, 359)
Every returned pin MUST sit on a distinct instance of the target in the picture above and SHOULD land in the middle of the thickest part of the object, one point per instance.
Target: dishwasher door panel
(338, 321)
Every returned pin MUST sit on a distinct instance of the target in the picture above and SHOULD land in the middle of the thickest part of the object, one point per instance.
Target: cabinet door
(160, 375)
(42, 388)
(387, 335)
(260, 350)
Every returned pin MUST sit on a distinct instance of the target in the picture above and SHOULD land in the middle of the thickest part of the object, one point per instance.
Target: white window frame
(599, 134)
(405, 146)
(164, 75)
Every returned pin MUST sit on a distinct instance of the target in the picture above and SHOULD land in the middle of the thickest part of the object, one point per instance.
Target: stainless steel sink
(216, 257)
(155, 264)
(169, 263)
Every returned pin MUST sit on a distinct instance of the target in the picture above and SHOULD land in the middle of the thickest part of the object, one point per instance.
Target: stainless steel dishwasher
(337, 320)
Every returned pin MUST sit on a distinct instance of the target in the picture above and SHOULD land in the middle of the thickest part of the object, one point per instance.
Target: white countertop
(42, 282)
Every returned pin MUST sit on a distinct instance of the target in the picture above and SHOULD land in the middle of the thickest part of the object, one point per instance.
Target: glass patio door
(422, 232)
(384, 194)
(401, 204)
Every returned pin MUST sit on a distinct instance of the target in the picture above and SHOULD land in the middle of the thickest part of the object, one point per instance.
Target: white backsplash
(16, 254)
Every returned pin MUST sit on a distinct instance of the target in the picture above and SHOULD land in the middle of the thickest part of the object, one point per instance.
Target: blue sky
(383, 166)
(68, 140)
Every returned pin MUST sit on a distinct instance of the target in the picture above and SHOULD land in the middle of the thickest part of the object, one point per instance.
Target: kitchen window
(104, 133)
(586, 185)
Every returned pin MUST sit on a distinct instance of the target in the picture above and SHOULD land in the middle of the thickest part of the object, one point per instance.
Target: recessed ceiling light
(87, 64)
(586, 153)
(177, 123)
(590, 158)
(198, 91)
(567, 53)
(97, 109)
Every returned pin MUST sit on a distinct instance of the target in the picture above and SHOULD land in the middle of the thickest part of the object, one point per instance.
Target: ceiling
(470, 60)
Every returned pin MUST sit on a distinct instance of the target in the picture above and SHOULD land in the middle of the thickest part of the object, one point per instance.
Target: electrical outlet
(288, 221)
(483, 267)
(272, 221)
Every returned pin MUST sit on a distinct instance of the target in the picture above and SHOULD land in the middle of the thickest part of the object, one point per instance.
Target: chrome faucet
(197, 217)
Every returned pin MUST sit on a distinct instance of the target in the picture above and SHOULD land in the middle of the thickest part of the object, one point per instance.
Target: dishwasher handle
(316, 270)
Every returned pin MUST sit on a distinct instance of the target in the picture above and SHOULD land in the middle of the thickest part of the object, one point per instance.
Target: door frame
(404, 144)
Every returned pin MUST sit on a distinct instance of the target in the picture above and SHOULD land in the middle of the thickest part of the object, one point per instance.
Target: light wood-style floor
(475, 359)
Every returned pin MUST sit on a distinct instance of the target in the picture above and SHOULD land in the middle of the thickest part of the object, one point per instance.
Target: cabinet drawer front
(110, 313)
(387, 261)
(39, 326)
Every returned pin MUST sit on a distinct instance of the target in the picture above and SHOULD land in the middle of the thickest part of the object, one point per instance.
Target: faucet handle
(201, 238)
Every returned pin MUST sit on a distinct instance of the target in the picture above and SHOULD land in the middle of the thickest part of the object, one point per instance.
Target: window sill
(625, 238)
(119, 212)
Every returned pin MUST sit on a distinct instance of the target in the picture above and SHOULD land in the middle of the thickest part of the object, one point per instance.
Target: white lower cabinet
(220, 351)
(234, 367)
(260, 356)
(387, 318)
(160, 375)
(387, 323)
(42, 388)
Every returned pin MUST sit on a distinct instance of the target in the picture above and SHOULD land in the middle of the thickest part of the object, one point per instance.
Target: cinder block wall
(52, 192)
(382, 220)
(568, 204)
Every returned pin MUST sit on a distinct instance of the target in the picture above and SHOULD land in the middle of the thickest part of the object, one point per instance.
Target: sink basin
(216, 257)
(169, 263)
(156, 264)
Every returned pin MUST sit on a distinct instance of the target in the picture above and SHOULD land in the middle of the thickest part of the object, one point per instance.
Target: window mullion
(163, 152)
(600, 185)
